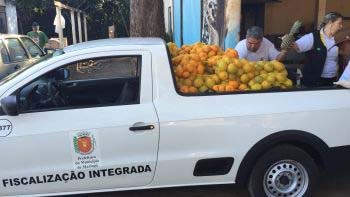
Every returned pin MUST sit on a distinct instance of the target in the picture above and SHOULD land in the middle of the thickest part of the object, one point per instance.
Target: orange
(209, 82)
(188, 49)
(229, 88)
(200, 69)
(232, 53)
(240, 72)
(268, 67)
(179, 71)
(251, 75)
(216, 88)
(243, 61)
(211, 62)
(195, 57)
(189, 67)
(248, 68)
(198, 82)
(266, 85)
(243, 87)
(184, 89)
(185, 59)
(214, 48)
(188, 82)
(234, 84)
(186, 74)
(244, 78)
(237, 63)
(203, 89)
(193, 89)
(203, 56)
(277, 65)
(280, 77)
(211, 53)
(215, 78)
(222, 88)
(288, 83)
(206, 49)
(223, 75)
(177, 60)
(235, 54)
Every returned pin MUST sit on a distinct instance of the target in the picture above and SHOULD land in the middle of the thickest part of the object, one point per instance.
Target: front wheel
(286, 171)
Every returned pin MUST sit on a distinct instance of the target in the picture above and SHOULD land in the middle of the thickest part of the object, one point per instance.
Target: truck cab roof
(114, 42)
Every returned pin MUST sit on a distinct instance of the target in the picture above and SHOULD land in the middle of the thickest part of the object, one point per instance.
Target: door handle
(16, 67)
(71, 85)
(141, 128)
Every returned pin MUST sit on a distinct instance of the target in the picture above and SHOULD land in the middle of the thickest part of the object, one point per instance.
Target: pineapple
(288, 39)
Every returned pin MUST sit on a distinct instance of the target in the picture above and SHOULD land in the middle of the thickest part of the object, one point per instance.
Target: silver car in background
(17, 51)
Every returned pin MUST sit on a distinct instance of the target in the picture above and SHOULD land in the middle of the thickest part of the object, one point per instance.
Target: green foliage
(100, 15)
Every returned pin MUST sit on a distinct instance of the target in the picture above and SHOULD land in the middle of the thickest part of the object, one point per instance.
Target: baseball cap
(34, 24)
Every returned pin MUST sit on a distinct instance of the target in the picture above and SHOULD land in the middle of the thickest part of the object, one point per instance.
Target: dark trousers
(320, 82)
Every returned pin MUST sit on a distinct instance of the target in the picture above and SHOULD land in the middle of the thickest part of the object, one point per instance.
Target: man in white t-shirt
(257, 48)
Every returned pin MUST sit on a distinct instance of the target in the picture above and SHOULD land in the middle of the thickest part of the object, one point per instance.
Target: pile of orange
(206, 68)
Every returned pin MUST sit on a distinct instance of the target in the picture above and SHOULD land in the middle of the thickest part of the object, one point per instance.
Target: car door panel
(51, 143)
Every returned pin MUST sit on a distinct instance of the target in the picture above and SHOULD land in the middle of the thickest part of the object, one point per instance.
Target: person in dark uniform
(321, 66)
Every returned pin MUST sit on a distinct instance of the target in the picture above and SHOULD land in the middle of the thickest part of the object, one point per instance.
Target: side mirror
(9, 105)
(62, 74)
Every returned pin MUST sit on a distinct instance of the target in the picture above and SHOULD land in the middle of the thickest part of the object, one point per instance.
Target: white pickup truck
(106, 115)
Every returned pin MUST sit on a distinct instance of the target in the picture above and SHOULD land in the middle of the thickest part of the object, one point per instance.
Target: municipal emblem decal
(84, 143)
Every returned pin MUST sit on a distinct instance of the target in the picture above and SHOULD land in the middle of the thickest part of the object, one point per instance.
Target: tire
(286, 171)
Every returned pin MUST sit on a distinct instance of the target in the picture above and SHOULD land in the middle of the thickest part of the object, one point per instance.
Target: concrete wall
(341, 6)
(279, 17)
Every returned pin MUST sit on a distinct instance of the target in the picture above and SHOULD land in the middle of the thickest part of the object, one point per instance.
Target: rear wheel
(286, 171)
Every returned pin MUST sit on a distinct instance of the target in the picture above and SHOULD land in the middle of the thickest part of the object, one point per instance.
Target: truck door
(97, 129)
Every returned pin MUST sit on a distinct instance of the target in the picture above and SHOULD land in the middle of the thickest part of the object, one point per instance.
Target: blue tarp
(191, 21)
(188, 24)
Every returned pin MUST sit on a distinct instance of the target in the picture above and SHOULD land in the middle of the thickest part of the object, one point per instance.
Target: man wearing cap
(38, 36)
(342, 41)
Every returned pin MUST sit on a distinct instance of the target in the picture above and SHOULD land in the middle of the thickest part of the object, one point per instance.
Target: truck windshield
(42, 59)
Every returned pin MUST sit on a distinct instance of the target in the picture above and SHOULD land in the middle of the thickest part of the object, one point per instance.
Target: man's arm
(241, 49)
(274, 54)
(282, 55)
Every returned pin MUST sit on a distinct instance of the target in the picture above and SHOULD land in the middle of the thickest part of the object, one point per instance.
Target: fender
(310, 143)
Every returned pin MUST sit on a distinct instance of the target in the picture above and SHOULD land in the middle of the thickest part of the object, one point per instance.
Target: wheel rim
(286, 178)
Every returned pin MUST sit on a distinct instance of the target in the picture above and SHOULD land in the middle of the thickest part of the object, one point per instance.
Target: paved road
(335, 183)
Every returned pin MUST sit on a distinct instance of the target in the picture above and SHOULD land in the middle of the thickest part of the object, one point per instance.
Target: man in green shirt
(38, 36)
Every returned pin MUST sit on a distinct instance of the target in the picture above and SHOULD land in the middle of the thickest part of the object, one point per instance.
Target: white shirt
(306, 43)
(63, 23)
(266, 51)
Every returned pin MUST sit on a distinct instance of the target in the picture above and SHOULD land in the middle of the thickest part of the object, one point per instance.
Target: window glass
(104, 68)
(88, 83)
(4, 55)
(33, 49)
(16, 50)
